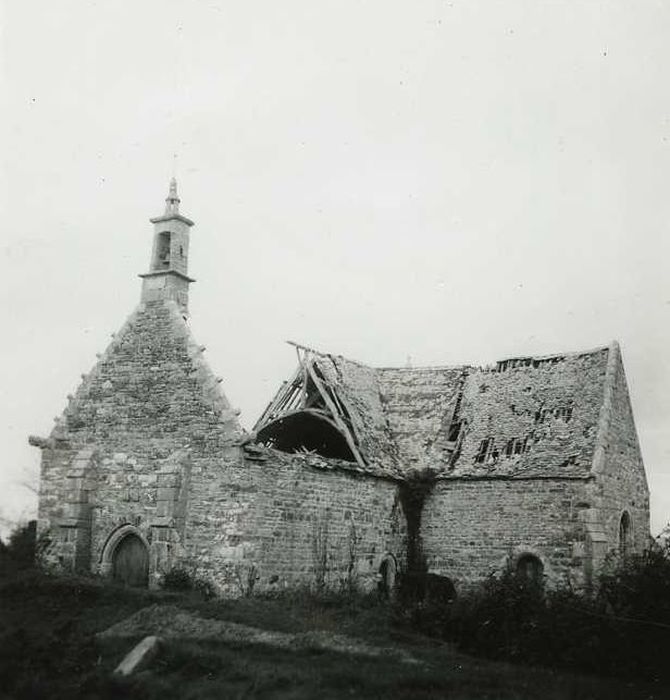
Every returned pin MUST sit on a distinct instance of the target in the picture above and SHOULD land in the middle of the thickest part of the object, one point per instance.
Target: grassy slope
(47, 649)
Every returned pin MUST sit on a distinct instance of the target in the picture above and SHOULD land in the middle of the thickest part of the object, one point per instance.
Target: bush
(204, 587)
(182, 580)
(19, 552)
(500, 619)
(425, 600)
(640, 586)
(624, 630)
(177, 579)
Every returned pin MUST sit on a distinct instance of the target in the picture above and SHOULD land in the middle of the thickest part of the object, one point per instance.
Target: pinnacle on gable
(172, 200)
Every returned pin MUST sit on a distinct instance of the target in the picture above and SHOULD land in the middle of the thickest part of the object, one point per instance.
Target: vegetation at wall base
(623, 631)
(19, 551)
(48, 647)
(180, 579)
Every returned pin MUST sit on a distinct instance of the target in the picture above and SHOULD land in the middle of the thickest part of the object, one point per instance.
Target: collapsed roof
(523, 417)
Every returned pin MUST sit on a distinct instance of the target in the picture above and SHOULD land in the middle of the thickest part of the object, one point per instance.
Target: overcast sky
(452, 181)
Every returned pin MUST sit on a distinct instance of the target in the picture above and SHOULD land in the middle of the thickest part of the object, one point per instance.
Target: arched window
(529, 568)
(625, 535)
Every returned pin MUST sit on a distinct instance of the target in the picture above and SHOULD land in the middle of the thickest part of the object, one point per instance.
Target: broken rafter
(304, 348)
(339, 422)
(318, 412)
(282, 400)
(295, 396)
(303, 367)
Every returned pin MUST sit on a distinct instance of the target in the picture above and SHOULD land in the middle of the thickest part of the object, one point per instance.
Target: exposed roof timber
(310, 431)
(311, 411)
(339, 422)
(304, 348)
(283, 398)
(285, 402)
(320, 353)
(305, 359)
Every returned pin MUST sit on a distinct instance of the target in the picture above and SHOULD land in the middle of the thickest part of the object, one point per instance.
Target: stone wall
(472, 528)
(621, 484)
(285, 521)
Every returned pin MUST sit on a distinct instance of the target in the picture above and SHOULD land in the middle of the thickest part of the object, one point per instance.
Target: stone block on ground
(139, 657)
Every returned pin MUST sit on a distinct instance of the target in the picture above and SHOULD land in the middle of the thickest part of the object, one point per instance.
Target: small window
(625, 535)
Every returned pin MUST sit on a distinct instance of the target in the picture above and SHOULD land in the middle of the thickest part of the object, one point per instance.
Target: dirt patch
(171, 622)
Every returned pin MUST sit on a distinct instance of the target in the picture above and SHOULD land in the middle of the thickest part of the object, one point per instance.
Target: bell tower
(167, 277)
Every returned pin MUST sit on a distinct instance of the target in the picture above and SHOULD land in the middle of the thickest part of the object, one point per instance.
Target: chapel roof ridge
(331, 355)
(568, 353)
(490, 366)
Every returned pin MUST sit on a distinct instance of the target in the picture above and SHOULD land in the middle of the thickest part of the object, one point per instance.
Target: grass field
(48, 649)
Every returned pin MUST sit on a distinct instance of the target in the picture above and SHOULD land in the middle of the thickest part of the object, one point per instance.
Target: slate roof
(541, 416)
(530, 417)
(419, 405)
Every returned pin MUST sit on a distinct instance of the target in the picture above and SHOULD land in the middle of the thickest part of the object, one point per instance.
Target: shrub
(177, 579)
(624, 630)
(180, 579)
(498, 618)
(639, 587)
(204, 587)
(19, 552)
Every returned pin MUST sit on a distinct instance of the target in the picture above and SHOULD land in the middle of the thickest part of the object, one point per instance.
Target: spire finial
(172, 200)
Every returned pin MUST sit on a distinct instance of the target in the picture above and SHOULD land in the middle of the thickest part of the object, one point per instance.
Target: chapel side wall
(472, 528)
(218, 545)
(621, 483)
(278, 524)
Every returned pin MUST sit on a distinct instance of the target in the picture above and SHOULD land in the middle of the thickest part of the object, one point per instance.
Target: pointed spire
(172, 200)
(172, 206)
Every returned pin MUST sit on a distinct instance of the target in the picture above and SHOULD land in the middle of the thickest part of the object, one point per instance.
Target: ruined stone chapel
(532, 463)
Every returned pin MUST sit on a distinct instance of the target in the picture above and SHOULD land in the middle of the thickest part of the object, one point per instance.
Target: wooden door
(131, 562)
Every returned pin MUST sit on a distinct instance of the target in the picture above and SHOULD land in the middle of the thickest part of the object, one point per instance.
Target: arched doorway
(529, 569)
(130, 562)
